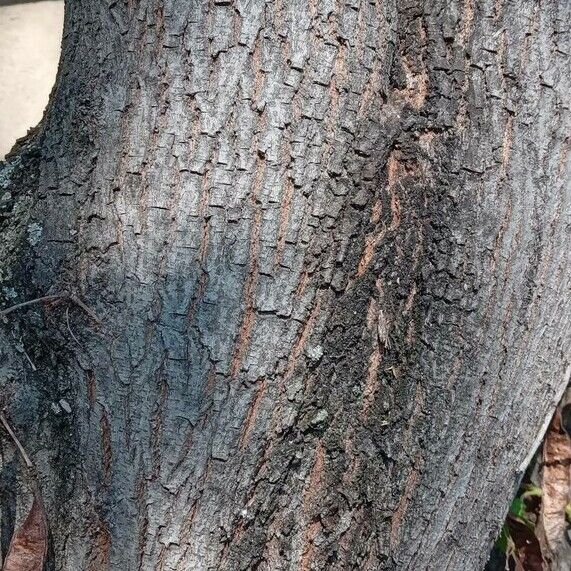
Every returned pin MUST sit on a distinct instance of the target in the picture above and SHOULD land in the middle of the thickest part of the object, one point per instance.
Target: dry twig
(54, 297)
(12, 308)
(18, 444)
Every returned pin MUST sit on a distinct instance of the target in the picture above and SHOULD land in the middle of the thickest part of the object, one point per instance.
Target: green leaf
(503, 540)
(517, 508)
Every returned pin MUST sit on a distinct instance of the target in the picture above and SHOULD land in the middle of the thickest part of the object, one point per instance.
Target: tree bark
(328, 243)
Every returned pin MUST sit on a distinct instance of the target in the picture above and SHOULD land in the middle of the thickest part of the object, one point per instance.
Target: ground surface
(30, 35)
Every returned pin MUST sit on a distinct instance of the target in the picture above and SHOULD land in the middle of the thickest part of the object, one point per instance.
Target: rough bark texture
(329, 244)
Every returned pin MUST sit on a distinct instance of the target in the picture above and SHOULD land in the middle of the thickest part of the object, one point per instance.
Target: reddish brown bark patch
(29, 544)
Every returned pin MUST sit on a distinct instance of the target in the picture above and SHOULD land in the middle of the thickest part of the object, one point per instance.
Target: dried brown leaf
(29, 544)
(556, 483)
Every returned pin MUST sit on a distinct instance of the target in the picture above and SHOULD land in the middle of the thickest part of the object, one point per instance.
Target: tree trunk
(328, 243)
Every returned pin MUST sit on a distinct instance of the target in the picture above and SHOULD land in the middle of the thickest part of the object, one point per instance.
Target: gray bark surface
(329, 246)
